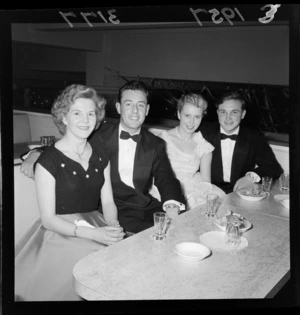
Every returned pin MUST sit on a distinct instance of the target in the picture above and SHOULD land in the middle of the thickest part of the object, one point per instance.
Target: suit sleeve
(267, 164)
(164, 178)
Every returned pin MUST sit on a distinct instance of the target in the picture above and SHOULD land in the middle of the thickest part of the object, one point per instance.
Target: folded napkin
(83, 223)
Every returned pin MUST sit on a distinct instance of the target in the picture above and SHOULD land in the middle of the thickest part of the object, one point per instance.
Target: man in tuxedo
(138, 158)
(241, 155)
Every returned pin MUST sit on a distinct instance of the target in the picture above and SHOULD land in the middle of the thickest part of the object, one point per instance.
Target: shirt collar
(236, 131)
(122, 128)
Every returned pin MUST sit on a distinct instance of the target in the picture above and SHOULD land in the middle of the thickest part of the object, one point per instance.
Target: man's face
(230, 114)
(133, 109)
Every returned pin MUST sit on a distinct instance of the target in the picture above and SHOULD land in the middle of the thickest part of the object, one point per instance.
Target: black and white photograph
(155, 158)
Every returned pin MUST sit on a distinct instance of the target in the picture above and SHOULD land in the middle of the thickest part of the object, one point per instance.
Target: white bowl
(286, 203)
(192, 251)
(252, 198)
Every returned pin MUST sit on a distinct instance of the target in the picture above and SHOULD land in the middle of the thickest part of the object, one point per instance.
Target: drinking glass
(267, 184)
(47, 140)
(284, 182)
(233, 233)
(160, 224)
(212, 205)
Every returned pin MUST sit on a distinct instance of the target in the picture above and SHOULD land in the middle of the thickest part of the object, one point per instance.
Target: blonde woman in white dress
(189, 153)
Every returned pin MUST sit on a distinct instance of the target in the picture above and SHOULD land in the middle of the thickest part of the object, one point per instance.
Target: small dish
(192, 251)
(249, 197)
(217, 241)
(284, 199)
(285, 203)
(221, 223)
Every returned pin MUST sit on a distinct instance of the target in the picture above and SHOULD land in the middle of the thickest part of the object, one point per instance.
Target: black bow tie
(126, 135)
(232, 137)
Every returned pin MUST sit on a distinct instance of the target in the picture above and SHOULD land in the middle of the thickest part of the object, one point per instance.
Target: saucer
(192, 251)
(284, 199)
(216, 240)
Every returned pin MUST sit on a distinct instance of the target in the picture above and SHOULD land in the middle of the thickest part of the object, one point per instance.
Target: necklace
(181, 138)
(80, 154)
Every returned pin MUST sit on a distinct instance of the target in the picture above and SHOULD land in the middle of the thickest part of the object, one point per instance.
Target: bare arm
(108, 205)
(45, 188)
(205, 167)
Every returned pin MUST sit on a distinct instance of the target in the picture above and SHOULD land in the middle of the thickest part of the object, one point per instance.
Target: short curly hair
(69, 95)
(193, 98)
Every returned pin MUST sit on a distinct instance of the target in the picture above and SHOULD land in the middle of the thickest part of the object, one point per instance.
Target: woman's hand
(27, 166)
(108, 234)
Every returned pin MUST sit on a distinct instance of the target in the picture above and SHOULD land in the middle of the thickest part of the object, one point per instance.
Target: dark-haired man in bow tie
(137, 158)
(242, 155)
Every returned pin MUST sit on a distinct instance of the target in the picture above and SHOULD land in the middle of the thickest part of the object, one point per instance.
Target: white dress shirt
(127, 150)
(227, 147)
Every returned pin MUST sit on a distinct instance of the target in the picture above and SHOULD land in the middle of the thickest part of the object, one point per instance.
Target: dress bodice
(77, 190)
(186, 164)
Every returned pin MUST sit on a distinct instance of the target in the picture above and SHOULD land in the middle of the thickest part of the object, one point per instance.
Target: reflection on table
(140, 268)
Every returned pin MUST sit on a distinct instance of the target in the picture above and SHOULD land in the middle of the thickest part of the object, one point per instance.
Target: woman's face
(81, 118)
(190, 117)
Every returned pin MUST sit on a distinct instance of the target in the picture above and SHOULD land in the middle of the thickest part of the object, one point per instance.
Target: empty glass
(233, 233)
(266, 184)
(284, 182)
(47, 140)
(212, 205)
(160, 225)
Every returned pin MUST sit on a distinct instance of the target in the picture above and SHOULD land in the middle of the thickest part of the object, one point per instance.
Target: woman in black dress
(70, 177)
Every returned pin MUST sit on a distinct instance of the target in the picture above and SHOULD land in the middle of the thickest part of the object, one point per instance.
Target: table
(140, 268)
(269, 205)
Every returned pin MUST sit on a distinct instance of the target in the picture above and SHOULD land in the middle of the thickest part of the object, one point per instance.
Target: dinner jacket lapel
(239, 156)
(142, 163)
(113, 142)
(217, 167)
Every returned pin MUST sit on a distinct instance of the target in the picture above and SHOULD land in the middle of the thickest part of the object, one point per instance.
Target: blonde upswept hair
(193, 98)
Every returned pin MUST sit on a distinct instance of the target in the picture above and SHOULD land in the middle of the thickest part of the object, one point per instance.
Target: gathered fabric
(44, 263)
(186, 168)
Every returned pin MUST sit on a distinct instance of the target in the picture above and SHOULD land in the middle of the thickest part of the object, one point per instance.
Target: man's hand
(243, 182)
(172, 211)
(27, 166)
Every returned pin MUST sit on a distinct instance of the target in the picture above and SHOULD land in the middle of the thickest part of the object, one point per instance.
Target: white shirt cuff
(254, 176)
(179, 204)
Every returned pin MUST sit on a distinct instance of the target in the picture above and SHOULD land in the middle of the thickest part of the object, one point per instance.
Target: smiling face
(133, 109)
(190, 117)
(80, 120)
(230, 115)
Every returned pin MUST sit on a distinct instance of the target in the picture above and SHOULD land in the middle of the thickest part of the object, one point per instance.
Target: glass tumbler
(233, 233)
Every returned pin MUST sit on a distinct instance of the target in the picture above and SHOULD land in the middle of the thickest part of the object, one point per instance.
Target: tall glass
(284, 182)
(212, 205)
(160, 224)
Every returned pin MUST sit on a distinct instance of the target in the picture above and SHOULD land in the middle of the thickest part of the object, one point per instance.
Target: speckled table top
(140, 268)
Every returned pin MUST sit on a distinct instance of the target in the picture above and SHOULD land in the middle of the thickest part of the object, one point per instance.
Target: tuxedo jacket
(150, 162)
(251, 153)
